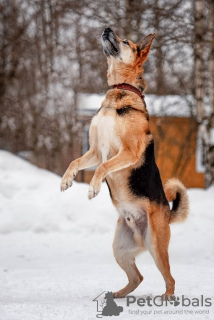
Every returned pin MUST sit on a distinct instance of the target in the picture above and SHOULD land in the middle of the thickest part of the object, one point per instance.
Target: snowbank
(30, 199)
(56, 253)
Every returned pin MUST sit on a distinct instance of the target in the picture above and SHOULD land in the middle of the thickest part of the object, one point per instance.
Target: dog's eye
(126, 42)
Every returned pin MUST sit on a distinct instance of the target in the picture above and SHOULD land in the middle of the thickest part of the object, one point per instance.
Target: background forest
(50, 51)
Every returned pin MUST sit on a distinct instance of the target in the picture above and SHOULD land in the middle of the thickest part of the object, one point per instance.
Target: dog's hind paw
(168, 297)
(120, 294)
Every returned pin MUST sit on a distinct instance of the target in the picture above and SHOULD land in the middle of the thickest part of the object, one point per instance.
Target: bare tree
(199, 59)
(50, 51)
(203, 52)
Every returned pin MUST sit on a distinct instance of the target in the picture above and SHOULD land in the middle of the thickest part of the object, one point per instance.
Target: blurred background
(53, 78)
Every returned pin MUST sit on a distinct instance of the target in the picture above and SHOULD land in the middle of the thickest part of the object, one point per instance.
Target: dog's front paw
(67, 181)
(93, 191)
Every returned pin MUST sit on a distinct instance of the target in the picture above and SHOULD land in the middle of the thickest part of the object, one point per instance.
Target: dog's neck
(118, 72)
(129, 87)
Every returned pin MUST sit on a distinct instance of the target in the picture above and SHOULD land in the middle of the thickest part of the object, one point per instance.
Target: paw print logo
(175, 301)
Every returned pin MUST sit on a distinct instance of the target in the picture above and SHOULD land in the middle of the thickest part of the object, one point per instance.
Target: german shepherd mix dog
(122, 146)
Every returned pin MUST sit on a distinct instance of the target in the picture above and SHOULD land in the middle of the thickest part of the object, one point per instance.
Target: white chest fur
(107, 135)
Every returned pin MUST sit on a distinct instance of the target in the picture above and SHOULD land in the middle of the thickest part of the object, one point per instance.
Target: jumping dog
(122, 146)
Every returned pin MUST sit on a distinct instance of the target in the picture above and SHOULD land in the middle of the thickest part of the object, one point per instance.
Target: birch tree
(210, 160)
(204, 43)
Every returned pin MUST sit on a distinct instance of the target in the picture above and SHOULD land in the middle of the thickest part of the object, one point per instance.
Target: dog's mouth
(110, 43)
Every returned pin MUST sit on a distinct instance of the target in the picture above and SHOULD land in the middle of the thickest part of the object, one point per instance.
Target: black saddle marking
(126, 109)
(145, 181)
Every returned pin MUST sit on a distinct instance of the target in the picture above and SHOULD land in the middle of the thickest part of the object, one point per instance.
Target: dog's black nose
(107, 30)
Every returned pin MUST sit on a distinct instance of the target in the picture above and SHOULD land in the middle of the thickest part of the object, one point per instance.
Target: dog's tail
(176, 192)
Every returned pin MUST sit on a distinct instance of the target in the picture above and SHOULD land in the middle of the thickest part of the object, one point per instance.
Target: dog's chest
(108, 139)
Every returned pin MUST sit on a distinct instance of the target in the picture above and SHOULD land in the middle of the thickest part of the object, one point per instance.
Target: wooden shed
(177, 149)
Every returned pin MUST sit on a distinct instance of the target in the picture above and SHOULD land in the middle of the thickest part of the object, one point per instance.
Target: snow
(56, 254)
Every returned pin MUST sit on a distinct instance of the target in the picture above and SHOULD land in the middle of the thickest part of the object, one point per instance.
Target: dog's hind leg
(125, 249)
(157, 241)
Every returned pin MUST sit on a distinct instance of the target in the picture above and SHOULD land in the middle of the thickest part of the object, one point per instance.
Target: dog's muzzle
(109, 43)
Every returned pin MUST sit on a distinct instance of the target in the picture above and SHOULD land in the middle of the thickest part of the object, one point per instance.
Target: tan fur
(117, 146)
(132, 71)
(172, 188)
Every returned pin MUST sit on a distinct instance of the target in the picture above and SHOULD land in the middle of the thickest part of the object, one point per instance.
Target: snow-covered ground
(56, 254)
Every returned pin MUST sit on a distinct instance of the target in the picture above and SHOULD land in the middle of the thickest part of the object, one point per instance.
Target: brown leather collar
(129, 87)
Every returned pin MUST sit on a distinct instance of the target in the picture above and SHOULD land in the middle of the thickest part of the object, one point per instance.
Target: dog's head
(125, 59)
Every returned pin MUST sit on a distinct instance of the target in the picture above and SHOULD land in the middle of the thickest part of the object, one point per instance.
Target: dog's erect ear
(145, 46)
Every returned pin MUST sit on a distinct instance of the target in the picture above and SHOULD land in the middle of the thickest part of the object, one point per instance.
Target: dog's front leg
(122, 160)
(89, 159)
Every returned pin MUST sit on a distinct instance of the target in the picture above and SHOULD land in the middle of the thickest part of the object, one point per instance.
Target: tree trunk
(160, 83)
(199, 59)
(132, 19)
(210, 175)
(205, 120)
(211, 56)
